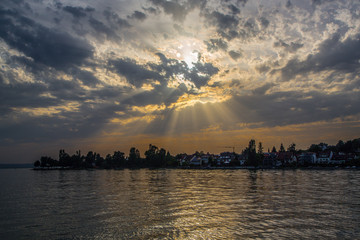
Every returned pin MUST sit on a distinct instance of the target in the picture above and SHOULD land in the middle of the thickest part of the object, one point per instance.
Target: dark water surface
(179, 204)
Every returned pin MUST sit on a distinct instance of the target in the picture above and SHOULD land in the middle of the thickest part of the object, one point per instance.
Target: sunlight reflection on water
(179, 204)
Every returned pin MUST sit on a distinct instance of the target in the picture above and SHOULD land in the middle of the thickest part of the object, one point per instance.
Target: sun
(187, 52)
(190, 58)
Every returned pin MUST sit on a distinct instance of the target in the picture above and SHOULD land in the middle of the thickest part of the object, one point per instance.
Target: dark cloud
(54, 93)
(24, 95)
(248, 29)
(319, 2)
(229, 35)
(28, 64)
(201, 73)
(114, 20)
(216, 44)
(222, 21)
(86, 77)
(284, 108)
(150, 10)
(138, 15)
(333, 55)
(78, 12)
(137, 74)
(66, 90)
(134, 73)
(159, 95)
(173, 8)
(230, 26)
(235, 55)
(234, 9)
(196, 4)
(169, 67)
(262, 90)
(49, 47)
(263, 68)
(291, 47)
(81, 123)
(264, 22)
(100, 27)
(288, 4)
(243, 2)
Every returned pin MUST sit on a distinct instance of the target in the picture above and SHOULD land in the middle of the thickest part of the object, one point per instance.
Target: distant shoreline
(207, 168)
(17, 165)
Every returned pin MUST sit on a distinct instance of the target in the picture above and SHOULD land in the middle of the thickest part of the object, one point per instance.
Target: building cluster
(271, 159)
(324, 158)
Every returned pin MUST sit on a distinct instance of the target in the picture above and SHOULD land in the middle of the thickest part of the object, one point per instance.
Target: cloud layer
(80, 71)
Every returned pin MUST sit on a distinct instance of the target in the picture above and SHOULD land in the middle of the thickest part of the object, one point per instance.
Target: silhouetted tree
(332, 148)
(99, 158)
(292, 148)
(118, 160)
(152, 157)
(90, 159)
(273, 150)
(252, 145)
(107, 163)
(64, 158)
(356, 145)
(251, 154)
(48, 162)
(76, 160)
(37, 163)
(323, 146)
(134, 157)
(314, 148)
(162, 158)
(340, 146)
(351, 146)
(260, 148)
(282, 149)
(170, 160)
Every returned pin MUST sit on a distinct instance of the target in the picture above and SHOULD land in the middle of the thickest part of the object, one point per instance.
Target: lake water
(179, 204)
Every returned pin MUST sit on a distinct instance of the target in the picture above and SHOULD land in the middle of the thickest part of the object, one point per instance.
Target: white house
(196, 161)
(324, 158)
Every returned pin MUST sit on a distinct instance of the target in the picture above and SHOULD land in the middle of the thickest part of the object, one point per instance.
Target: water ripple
(179, 204)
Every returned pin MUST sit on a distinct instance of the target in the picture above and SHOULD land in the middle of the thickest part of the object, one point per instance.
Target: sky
(184, 75)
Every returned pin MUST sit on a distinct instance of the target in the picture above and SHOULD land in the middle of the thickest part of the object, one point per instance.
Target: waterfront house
(324, 157)
(226, 158)
(286, 158)
(307, 158)
(338, 159)
(242, 159)
(270, 159)
(184, 159)
(205, 159)
(195, 161)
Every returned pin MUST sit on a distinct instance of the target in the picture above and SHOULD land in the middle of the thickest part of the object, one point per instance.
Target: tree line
(154, 157)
